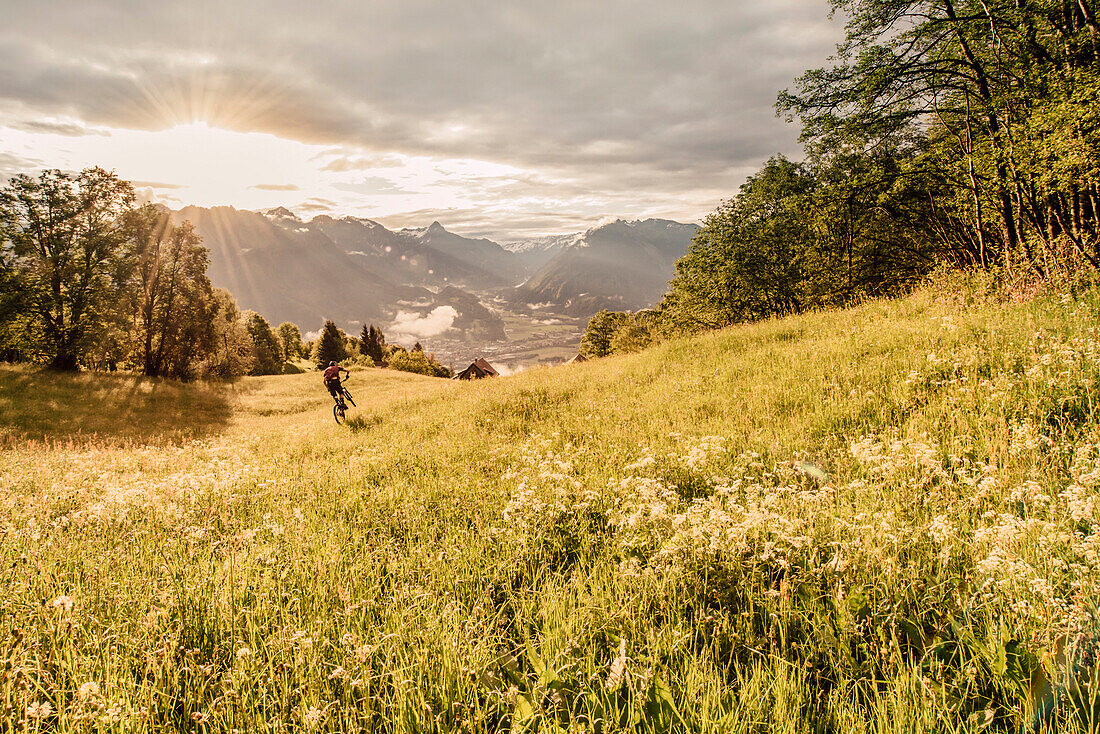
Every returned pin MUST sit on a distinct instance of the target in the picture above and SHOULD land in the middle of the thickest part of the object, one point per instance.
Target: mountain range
(428, 280)
(621, 266)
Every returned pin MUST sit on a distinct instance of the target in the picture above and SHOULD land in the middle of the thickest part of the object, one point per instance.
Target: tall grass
(881, 519)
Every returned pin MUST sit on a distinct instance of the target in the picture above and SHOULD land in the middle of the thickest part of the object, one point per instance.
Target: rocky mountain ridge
(429, 281)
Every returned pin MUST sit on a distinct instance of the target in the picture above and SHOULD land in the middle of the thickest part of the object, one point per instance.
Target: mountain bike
(341, 407)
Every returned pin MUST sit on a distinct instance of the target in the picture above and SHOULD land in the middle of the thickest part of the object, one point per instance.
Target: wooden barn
(577, 359)
(478, 369)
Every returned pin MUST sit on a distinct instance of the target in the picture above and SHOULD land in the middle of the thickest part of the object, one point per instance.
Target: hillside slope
(298, 276)
(621, 266)
(800, 524)
(288, 270)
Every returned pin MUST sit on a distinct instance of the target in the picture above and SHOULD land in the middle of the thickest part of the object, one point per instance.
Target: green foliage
(632, 336)
(62, 254)
(351, 345)
(871, 520)
(372, 344)
(800, 236)
(18, 340)
(290, 337)
(417, 361)
(267, 350)
(999, 100)
(596, 340)
(87, 280)
(170, 296)
(749, 260)
(232, 354)
(331, 346)
(617, 332)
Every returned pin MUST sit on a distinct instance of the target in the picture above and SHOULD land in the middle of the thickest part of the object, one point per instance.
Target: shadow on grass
(94, 407)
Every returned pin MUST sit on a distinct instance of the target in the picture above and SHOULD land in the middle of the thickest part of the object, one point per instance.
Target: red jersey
(333, 373)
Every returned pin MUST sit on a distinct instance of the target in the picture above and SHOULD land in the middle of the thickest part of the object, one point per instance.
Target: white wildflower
(314, 717)
(39, 710)
(941, 529)
(618, 667)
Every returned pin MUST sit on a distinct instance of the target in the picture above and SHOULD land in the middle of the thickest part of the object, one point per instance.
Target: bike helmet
(332, 364)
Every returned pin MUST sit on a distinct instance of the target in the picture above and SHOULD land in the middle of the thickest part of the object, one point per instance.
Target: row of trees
(87, 278)
(333, 345)
(964, 132)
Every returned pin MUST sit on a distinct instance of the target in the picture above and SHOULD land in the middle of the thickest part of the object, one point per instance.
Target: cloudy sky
(506, 119)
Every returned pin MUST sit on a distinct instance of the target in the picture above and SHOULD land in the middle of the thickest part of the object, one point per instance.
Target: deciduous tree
(596, 341)
(291, 338)
(172, 300)
(62, 237)
(267, 350)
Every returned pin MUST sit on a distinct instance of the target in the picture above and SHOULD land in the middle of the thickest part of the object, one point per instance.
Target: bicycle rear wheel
(338, 413)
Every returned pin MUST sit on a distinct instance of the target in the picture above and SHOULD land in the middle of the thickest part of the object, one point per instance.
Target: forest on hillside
(958, 132)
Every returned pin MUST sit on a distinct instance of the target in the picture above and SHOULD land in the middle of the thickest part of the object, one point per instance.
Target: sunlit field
(874, 520)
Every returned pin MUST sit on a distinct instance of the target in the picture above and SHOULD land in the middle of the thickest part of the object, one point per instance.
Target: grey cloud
(615, 96)
(505, 225)
(499, 226)
(316, 204)
(57, 128)
(11, 164)
(154, 91)
(341, 163)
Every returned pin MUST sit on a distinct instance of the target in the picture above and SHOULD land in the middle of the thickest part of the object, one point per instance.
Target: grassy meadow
(873, 520)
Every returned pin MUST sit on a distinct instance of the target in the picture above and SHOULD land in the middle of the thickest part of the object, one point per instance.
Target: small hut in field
(478, 369)
(577, 359)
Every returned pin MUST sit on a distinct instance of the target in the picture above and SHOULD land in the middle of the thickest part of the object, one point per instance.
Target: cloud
(11, 164)
(493, 224)
(275, 187)
(638, 103)
(156, 185)
(372, 186)
(341, 163)
(57, 127)
(410, 326)
(316, 204)
(504, 369)
(607, 82)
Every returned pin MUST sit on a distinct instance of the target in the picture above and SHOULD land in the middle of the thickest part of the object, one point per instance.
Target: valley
(519, 304)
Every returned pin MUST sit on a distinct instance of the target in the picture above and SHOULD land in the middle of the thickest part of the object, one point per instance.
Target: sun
(206, 165)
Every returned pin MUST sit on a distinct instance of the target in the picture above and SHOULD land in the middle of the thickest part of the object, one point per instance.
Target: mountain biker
(332, 379)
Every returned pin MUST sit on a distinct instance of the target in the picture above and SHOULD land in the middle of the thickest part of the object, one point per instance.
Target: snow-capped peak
(281, 212)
